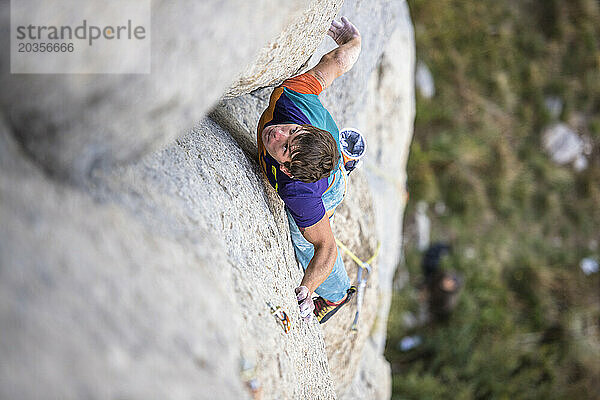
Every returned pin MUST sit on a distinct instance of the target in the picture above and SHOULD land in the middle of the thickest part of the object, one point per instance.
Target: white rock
(96, 303)
(423, 226)
(589, 266)
(283, 57)
(424, 80)
(581, 163)
(562, 143)
(409, 342)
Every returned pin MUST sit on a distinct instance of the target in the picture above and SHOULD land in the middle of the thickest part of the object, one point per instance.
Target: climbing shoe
(324, 309)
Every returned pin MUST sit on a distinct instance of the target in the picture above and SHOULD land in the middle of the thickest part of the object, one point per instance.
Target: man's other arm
(320, 266)
(338, 61)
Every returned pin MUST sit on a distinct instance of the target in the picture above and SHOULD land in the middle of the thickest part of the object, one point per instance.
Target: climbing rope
(355, 258)
(364, 268)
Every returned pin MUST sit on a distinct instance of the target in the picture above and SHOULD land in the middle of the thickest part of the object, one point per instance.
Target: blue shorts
(337, 283)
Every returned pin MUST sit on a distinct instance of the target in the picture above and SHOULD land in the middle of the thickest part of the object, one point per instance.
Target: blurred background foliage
(527, 325)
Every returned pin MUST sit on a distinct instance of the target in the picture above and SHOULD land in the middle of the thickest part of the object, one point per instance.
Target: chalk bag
(353, 148)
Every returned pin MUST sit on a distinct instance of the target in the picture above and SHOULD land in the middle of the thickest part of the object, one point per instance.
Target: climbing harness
(281, 317)
(364, 270)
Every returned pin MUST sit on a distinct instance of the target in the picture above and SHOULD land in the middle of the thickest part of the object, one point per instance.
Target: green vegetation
(527, 325)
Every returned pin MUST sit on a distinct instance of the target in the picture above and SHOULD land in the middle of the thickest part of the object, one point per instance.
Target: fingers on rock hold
(301, 293)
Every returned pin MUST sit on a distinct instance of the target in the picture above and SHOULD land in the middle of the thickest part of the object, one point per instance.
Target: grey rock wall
(96, 304)
(390, 111)
(205, 180)
(72, 123)
(293, 47)
(149, 278)
(377, 97)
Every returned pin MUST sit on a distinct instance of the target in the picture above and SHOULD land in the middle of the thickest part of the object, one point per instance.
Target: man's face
(278, 139)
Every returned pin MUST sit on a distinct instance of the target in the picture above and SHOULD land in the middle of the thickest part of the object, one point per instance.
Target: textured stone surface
(240, 115)
(389, 116)
(284, 56)
(373, 379)
(354, 226)
(384, 109)
(72, 123)
(96, 304)
(205, 180)
(150, 279)
(376, 21)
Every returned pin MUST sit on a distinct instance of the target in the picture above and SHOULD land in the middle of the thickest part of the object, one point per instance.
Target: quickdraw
(362, 284)
(364, 270)
(281, 317)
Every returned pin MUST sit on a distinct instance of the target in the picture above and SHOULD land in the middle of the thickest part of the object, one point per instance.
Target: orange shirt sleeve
(305, 84)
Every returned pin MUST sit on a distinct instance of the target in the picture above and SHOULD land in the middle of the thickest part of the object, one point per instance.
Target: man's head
(302, 151)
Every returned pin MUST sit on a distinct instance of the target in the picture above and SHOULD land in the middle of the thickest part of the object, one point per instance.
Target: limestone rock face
(72, 123)
(377, 97)
(205, 180)
(96, 304)
(390, 112)
(285, 55)
(376, 21)
(152, 278)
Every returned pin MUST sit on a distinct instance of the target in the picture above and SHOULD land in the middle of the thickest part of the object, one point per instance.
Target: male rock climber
(299, 152)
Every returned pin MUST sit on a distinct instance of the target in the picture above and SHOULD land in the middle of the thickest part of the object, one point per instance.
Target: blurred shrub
(519, 224)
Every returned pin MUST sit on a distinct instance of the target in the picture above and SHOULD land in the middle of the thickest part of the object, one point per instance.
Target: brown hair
(314, 154)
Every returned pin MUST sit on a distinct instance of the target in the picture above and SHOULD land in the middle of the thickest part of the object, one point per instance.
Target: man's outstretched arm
(338, 61)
